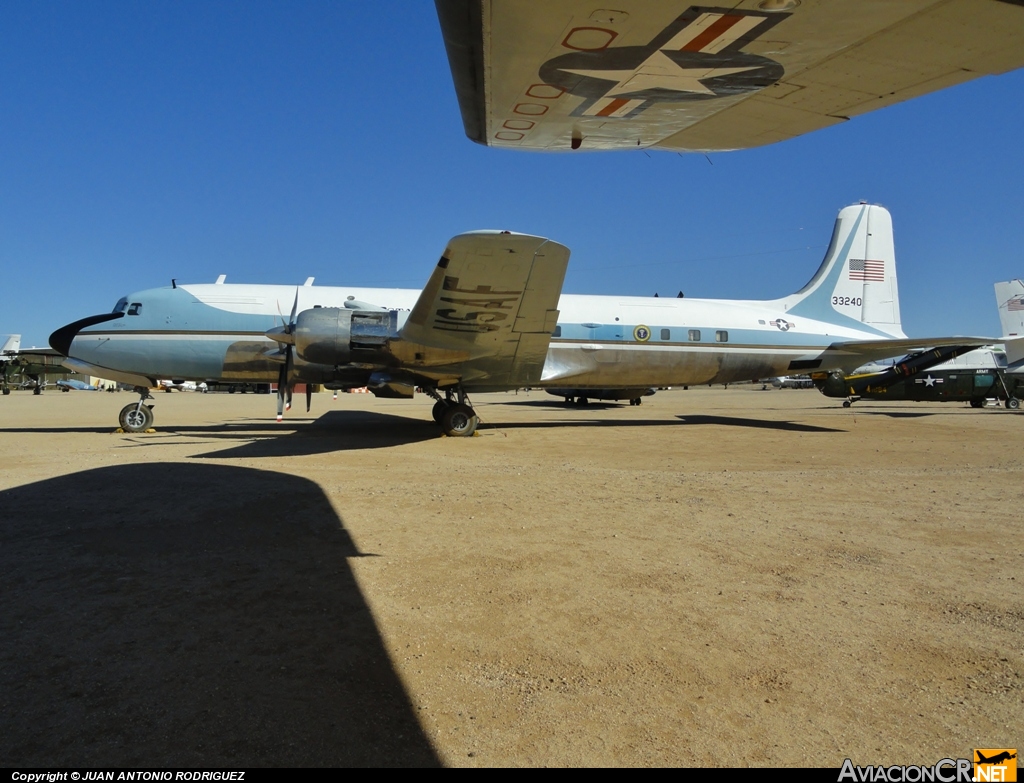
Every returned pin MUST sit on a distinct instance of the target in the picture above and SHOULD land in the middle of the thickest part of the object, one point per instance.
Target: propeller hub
(281, 334)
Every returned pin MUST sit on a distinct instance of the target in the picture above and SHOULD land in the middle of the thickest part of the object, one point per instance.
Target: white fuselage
(216, 332)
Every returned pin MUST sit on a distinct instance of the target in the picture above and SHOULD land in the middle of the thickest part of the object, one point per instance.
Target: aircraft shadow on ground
(190, 615)
(682, 421)
(227, 429)
(890, 414)
(734, 421)
(556, 404)
(334, 431)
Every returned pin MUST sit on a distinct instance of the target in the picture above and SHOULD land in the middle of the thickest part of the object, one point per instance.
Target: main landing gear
(454, 413)
(137, 417)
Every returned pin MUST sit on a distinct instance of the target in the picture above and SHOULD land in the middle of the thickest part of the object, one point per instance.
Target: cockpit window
(122, 303)
(135, 308)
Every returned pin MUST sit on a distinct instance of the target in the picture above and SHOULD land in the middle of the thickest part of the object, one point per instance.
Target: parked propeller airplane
(491, 318)
(984, 373)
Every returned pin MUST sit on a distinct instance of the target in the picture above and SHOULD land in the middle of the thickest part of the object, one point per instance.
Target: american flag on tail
(867, 269)
(1015, 304)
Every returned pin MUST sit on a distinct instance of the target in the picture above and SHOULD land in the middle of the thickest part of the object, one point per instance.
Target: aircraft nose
(60, 340)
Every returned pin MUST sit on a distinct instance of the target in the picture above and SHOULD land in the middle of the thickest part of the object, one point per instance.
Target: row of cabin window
(693, 335)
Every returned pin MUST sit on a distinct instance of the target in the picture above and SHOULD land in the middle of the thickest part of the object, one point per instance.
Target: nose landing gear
(137, 417)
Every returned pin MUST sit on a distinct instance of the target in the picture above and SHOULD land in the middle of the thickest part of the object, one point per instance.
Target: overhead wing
(851, 355)
(487, 313)
(567, 74)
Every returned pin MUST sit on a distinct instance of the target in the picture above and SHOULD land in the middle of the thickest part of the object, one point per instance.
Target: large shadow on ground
(296, 436)
(334, 431)
(190, 615)
(732, 421)
(764, 424)
(554, 403)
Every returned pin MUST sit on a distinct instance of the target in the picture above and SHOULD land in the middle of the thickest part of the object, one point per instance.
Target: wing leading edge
(560, 75)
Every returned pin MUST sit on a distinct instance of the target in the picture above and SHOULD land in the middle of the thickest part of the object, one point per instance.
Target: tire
(582, 401)
(1012, 403)
(459, 421)
(6, 392)
(438, 410)
(135, 418)
(846, 403)
(638, 401)
(977, 403)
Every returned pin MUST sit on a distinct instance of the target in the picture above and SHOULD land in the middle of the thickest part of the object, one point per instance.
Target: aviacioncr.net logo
(943, 771)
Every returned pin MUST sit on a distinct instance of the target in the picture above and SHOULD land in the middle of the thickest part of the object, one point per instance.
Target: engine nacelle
(338, 335)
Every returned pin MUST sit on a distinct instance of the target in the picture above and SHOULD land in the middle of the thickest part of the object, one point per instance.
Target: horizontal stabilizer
(856, 353)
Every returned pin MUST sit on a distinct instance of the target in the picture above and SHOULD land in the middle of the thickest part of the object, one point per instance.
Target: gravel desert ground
(718, 577)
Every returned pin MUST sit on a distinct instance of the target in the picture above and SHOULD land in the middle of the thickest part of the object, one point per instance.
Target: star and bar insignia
(697, 57)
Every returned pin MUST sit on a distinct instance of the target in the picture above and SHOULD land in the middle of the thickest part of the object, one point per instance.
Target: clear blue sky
(274, 141)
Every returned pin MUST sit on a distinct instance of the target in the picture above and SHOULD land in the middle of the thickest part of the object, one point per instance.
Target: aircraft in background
(991, 372)
(565, 74)
(73, 385)
(584, 396)
(492, 318)
(28, 369)
(190, 386)
(793, 382)
(939, 375)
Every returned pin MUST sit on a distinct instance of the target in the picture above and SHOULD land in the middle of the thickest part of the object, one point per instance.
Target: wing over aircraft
(567, 74)
(492, 317)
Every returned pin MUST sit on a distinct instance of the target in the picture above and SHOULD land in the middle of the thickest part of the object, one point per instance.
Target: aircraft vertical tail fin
(1010, 299)
(12, 344)
(855, 286)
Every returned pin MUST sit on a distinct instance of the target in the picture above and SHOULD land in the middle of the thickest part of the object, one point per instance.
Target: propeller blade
(309, 397)
(282, 378)
(295, 307)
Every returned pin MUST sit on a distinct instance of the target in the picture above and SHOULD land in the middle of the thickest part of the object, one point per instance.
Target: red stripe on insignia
(716, 29)
(612, 107)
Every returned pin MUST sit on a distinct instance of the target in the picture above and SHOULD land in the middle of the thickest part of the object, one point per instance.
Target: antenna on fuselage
(174, 282)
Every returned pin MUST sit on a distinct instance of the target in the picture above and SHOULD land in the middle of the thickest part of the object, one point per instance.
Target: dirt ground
(718, 577)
